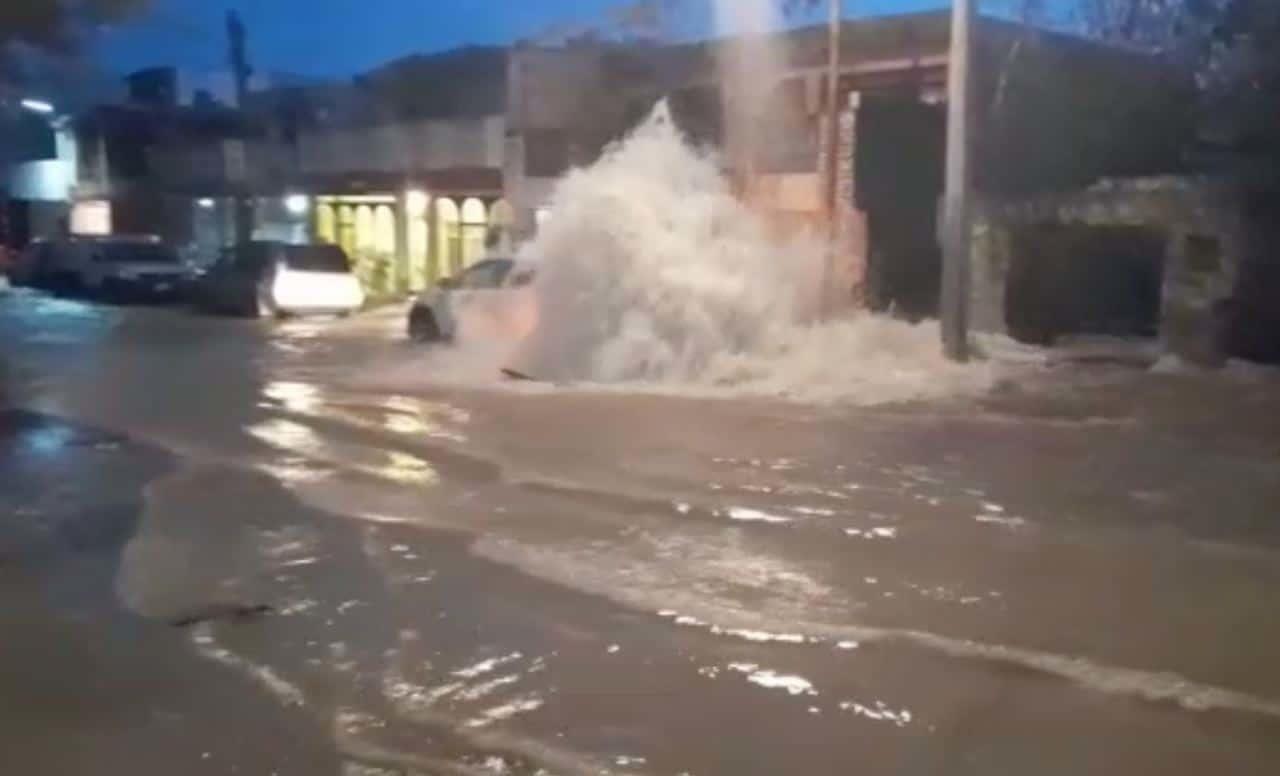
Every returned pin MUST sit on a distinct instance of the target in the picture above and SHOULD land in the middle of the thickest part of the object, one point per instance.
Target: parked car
(117, 265)
(279, 279)
(7, 259)
(491, 294)
(132, 268)
(34, 265)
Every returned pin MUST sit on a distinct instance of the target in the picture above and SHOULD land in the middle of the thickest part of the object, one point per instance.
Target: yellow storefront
(409, 241)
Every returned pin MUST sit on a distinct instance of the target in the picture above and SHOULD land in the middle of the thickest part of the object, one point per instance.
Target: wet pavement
(1074, 574)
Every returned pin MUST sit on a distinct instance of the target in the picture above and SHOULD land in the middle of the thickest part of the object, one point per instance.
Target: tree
(1240, 74)
(56, 26)
(60, 25)
(1153, 24)
(1233, 46)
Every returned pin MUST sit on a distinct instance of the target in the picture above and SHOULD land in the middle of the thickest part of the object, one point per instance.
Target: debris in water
(512, 374)
(233, 613)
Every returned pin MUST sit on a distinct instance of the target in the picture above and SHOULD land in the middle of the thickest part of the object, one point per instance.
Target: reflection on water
(286, 435)
(745, 514)
(297, 471)
(396, 414)
(407, 469)
(878, 712)
(405, 424)
(48, 439)
(872, 534)
(293, 396)
(311, 458)
(478, 693)
(486, 666)
(285, 691)
(772, 680)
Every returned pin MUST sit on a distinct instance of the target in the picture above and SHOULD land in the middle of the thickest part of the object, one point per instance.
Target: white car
(490, 298)
(279, 279)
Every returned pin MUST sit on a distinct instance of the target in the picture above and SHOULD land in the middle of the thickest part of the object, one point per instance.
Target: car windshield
(137, 253)
(487, 274)
(316, 258)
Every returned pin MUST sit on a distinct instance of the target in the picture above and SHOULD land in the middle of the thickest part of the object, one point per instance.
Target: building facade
(1053, 112)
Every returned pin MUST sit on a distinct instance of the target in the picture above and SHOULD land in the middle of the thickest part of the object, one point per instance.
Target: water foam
(653, 274)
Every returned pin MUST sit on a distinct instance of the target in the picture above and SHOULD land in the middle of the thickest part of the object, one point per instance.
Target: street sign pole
(955, 227)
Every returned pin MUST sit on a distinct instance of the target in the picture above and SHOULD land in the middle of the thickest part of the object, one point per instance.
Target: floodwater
(1071, 572)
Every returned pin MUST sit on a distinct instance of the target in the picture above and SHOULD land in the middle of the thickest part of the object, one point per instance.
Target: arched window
(448, 238)
(347, 229)
(475, 230)
(366, 238)
(419, 249)
(384, 230)
(326, 224)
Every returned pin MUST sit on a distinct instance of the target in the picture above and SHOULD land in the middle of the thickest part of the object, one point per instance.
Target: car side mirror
(448, 284)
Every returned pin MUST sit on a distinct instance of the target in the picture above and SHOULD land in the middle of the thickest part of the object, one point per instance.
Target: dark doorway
(1067, 280)
(899, 172)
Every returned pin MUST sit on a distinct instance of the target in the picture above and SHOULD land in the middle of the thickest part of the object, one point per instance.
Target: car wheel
(423, 326)
(66, 284)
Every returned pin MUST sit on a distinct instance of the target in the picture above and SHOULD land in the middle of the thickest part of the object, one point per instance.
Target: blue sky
(344, 37)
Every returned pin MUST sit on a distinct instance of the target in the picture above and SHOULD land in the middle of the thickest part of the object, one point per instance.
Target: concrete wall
(407, 146)
(549, 90)
(1205, 247)
(46, 180)
(224, 164)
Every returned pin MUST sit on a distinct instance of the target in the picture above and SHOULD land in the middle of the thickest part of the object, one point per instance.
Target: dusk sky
(344, 37)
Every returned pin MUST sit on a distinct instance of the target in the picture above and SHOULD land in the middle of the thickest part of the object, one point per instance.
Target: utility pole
(832, 142)
(956, 237)
(238, 59)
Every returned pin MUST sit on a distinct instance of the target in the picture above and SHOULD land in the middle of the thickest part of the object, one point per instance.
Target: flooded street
(1075, 572)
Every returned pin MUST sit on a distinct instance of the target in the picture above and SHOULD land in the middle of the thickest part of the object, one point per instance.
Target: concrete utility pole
(832, 143)
(956, 239)
(238, 59)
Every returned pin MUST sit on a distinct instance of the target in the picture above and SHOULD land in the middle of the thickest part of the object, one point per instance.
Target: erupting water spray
(654, 275)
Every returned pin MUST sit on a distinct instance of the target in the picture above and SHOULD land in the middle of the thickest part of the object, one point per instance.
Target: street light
(37, 106)
(297, 204)
(416, 201)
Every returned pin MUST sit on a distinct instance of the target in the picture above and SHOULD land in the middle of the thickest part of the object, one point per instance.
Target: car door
(473, 305)
(246, 272)
(211, 289)
(516, 306)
